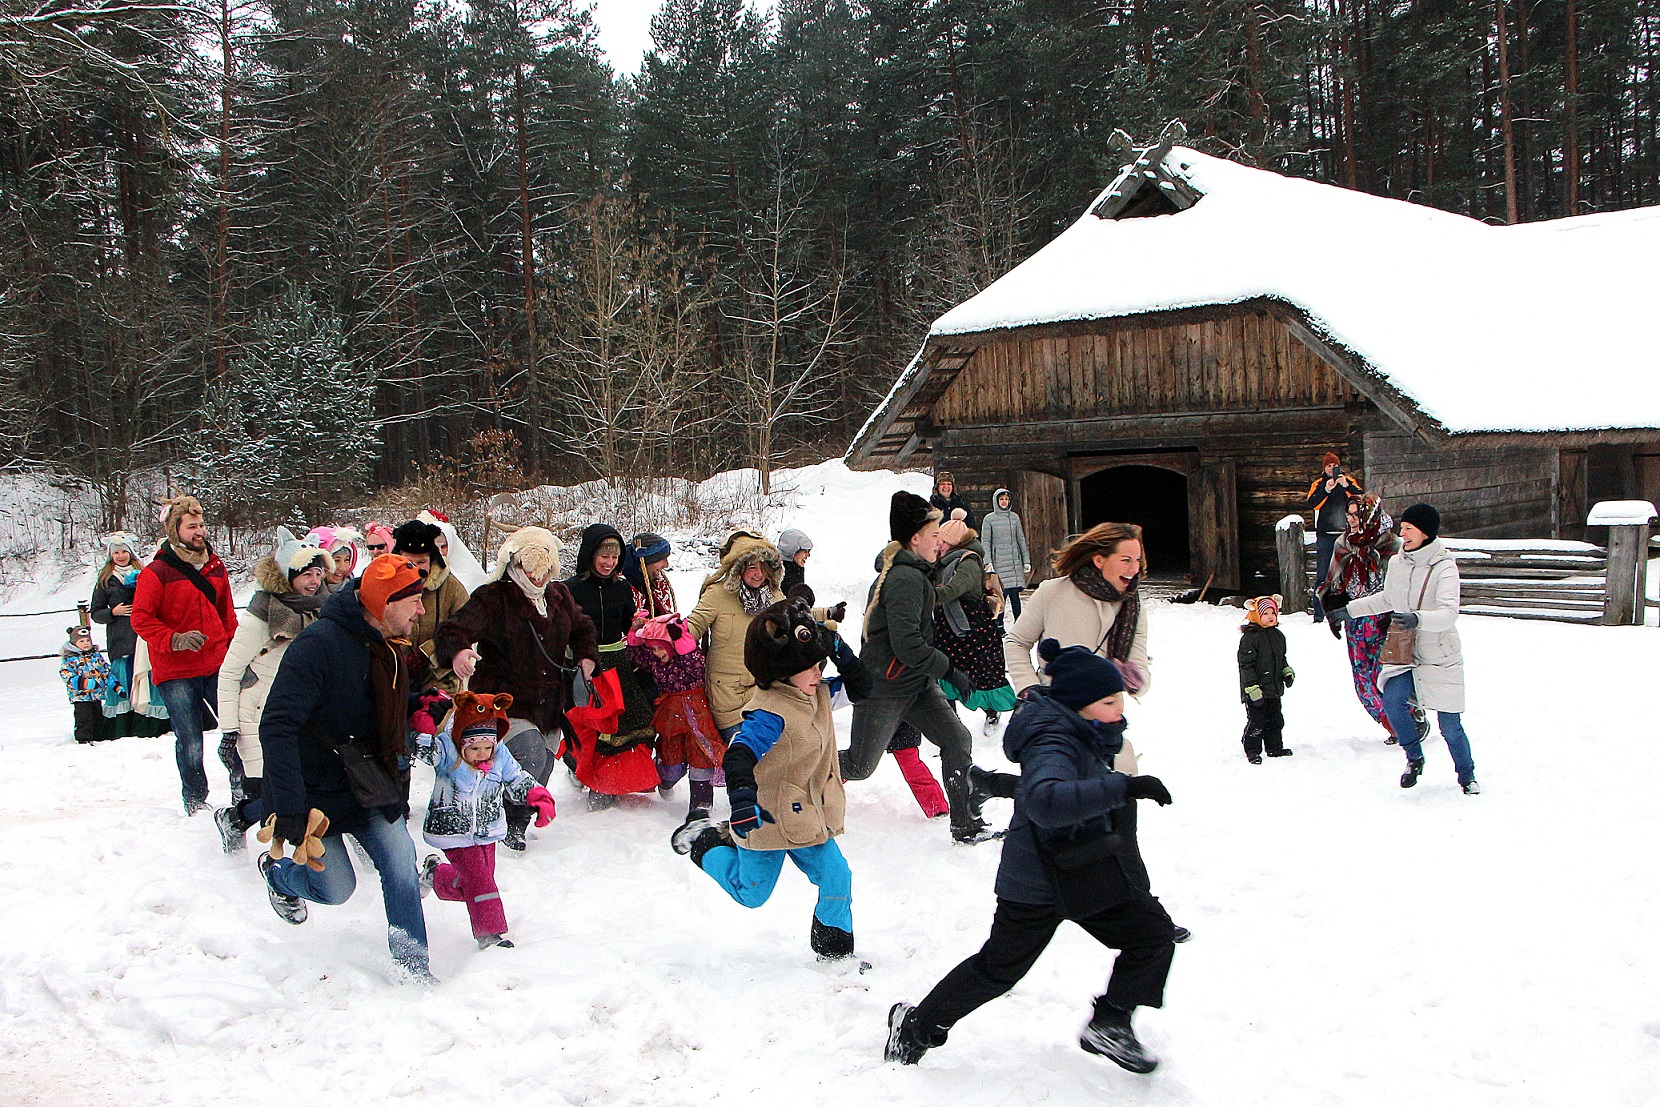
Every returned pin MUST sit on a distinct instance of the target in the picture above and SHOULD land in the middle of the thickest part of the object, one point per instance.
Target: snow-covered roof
(1534, 327)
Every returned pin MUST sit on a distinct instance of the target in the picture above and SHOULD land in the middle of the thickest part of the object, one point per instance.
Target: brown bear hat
(479, 713)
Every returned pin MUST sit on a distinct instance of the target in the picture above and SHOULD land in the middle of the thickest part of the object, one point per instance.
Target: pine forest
(315, 247)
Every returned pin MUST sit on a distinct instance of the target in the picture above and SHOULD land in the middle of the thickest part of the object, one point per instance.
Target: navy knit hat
(1425, 518)
(1077, 675)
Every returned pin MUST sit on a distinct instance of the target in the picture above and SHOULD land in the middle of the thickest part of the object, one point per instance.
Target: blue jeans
(1324, 546)
(749, 876)
(192, 707)
(393, 854)
(1398, 692)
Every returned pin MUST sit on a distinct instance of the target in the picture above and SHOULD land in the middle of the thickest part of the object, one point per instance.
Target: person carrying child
(1063, 858)
(473, 774)
(86, 673)
(688, 741)
(783, 779)
(1264, 676)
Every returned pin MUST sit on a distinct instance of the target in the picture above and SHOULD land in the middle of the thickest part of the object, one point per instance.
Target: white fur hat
(536, 549)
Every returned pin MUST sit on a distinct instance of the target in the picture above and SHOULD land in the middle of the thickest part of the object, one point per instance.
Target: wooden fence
(1570, 582)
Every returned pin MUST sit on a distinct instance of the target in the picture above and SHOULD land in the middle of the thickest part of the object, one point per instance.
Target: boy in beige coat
(783, 779)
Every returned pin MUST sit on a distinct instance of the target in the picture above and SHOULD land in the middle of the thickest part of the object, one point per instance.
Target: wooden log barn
(1184, 354)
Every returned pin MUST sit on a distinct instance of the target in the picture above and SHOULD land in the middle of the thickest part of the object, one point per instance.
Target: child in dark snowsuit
(86, 674)
(1064, 858)
(688, 741)
(1264, 676)
(783, 778)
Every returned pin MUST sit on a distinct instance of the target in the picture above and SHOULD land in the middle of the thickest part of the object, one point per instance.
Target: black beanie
(1425, 518)
(416, 537)
(1077, 675)
(782, 640)
(908, 514)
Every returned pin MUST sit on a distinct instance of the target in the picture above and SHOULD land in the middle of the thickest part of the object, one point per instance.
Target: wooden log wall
(1480, 491)
(1243, 362)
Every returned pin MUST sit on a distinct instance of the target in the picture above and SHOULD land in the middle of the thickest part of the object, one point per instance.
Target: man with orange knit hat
(1328, 497)
(334, 736)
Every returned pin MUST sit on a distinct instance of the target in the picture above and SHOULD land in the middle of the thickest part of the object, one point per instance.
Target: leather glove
(837, 613)
(1289, 674)
(1253, 692)
(306, 831)
(747, 815)
(1406, 620)
(542, 800)
(1148, 788)
(959, 680)
(188, 642)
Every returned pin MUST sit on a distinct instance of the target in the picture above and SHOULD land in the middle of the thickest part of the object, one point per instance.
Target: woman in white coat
(291, 591)
(1421, 590)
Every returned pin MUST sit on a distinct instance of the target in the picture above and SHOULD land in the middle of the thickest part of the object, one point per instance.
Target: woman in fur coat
(512, 636)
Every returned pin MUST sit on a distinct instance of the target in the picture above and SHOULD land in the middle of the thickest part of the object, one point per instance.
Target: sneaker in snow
(290, 909)
(1471, 788)
(974, 834)
(232, 830)
(686, 833)
(600, 801)
(1181, 934)
(195, 806)
(500, 940)
(1109, 1035)
(901, 1046)
(428, 873)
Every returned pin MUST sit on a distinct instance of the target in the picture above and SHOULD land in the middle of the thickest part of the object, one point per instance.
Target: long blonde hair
(1102, 538)
(109, 568)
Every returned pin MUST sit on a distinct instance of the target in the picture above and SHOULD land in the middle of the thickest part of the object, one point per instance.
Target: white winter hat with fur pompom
(536, 549)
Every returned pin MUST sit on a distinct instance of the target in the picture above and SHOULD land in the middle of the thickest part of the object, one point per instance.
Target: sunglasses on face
(377, 547)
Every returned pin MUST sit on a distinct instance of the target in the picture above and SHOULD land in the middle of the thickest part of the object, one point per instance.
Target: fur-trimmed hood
(270, 576)
(742, 549)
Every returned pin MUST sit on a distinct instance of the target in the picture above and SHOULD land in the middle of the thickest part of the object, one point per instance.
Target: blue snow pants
(749, 876)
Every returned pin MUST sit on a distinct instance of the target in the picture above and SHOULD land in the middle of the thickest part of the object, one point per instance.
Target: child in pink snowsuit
(474, 774)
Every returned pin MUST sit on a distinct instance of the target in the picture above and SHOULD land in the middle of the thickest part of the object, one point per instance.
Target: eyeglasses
(377, 547)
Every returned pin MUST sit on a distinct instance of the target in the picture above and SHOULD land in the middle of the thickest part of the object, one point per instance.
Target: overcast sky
(625, 29)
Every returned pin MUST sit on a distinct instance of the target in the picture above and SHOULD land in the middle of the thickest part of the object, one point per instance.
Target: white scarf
(536, 594)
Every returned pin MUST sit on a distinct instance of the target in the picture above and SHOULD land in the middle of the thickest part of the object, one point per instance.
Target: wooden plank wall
(1242, 363)
(1480, 491)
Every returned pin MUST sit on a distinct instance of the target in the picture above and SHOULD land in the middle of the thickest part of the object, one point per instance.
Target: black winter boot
(904, 1045)
(829, 942)
(697, 821)
(1414, 769)
(518, 822)
(1109, 1035)
(707, 839)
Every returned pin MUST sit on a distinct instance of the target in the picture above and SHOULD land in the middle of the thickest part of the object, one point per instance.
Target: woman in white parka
(291, 593)
(1421, 590)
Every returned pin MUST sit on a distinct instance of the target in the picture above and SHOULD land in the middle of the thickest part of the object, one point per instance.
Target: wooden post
(1288, 541)
(1627, 587)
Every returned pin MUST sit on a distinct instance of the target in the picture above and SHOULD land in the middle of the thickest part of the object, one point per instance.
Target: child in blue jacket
(86, 675)
(473, 775)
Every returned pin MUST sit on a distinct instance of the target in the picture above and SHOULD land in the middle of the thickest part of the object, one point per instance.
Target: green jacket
(1261, 661)
(899, 633)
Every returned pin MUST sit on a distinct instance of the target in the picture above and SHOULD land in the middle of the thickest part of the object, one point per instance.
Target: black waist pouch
(1088, 875)
(371, 784)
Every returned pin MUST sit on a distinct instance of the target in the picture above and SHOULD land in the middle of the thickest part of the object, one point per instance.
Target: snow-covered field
(1354, 943)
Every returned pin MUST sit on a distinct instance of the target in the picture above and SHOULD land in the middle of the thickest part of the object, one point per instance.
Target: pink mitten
(542, 801)
(1134, 679)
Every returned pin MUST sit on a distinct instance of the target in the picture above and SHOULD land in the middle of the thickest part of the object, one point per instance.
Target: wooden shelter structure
(1183, 355)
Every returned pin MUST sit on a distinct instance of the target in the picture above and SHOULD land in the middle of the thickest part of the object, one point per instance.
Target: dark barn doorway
(1152, 498)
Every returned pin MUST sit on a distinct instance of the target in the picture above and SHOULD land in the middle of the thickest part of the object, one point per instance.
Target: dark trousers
(1138, 928)
(875, 721)
(1264, 725)
(1012, 596)
(1324, 546)
(530, 749)
(88, 714)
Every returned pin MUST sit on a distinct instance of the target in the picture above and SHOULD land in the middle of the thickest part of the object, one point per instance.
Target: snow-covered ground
(1354, 943)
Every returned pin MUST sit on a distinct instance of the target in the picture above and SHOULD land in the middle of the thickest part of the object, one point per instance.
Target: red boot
(929, 795)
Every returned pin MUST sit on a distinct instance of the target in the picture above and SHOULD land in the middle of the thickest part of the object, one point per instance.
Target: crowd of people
(347, 665)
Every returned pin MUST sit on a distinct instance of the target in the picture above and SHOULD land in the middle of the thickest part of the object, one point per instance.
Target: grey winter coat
(1438, 657)
(1005, 542)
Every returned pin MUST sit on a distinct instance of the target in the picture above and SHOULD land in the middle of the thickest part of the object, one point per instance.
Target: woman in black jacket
(112, 605)
(1061, 860)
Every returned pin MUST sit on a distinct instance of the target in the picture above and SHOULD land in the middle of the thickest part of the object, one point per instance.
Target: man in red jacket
(182, 609)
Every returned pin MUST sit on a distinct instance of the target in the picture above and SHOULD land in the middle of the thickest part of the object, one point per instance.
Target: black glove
(838, 613)
(1338, 614)
(958, 679)
(747, 815)
(1406, 620)
(290, 829)
(1148, 788)
(675, 630)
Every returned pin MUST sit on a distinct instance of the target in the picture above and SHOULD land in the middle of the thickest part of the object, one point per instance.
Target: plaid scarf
(1122, 634)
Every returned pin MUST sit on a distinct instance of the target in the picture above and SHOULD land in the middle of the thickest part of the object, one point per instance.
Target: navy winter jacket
(321, 696)
(1068, 790)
